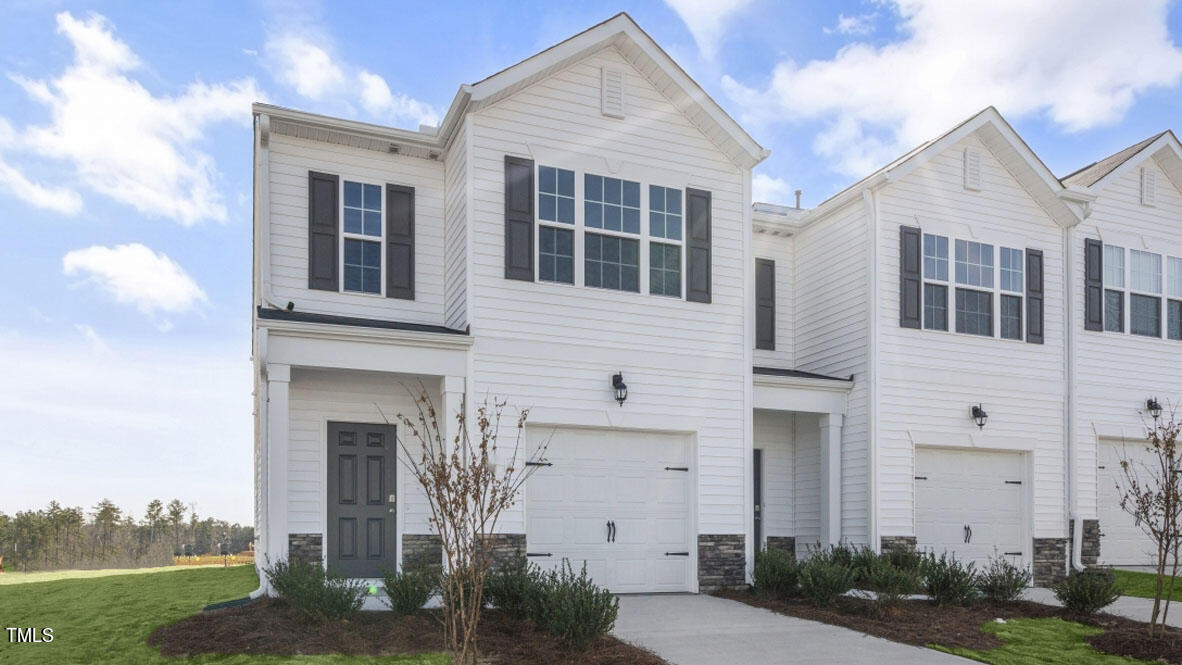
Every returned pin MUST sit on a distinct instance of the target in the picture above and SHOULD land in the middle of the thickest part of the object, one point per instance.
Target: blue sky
(125, 151)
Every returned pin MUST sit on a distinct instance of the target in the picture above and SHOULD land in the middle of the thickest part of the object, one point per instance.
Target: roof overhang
(1166, 150)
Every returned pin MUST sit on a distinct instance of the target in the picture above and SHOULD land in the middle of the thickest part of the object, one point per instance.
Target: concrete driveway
(688, 629)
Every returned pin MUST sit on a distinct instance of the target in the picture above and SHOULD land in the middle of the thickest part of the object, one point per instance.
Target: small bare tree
(467, 492)
(1151, 492)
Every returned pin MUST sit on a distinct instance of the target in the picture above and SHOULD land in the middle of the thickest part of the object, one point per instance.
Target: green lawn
(1143, 584)
(11, 577)
(1042, 642)
(108, 619)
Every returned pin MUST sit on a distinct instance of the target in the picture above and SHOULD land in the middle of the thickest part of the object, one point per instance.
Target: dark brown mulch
(921, 622)
(271, 627)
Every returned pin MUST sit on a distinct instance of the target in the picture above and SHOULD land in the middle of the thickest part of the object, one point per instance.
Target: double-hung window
(556, 222)
(1114, 288)
(974, 290)
(665, 240)
(1010, 272)
(612, 252)
(1145, 293)
(362, 238)
(1174, 303)
(935, 282)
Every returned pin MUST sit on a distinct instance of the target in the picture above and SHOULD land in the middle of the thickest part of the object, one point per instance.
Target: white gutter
(870, 199)
(262, 210)
(1084, 200)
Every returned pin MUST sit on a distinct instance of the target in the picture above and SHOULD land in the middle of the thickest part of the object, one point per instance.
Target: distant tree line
(109, 537)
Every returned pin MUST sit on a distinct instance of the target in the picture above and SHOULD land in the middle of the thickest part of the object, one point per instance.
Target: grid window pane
(974, 264)
(556, 255)
(1174, 277)
(1114, 311)
(1011, 269)
(363, 266)
(935, 257)
(556, 195)
(664, 269)
(1114, 267)
(1145, 315)
(1174, 309)
(1011, 317)
(363, 209)
(611, 262)
(664, 212)
(1145, 271)
(935, 306)
(974, 312)
(611, 204)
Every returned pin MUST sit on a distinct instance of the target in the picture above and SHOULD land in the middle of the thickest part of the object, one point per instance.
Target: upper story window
(974, 306)
(1174, 293)
(1010, 305)
(362, 237)
(1114, 285)
(556, 195)
(556, 216)
(1145, 293)
(935, 287)
(611, 204)
(1152, 290)
(664, 223)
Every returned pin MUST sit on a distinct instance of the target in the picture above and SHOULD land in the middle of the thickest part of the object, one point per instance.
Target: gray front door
(361, 495)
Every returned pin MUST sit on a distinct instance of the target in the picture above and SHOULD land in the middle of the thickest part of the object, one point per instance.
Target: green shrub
(823, 580)
(513, 587)
(889, 583)
(1087, 592)
(950, 582)
(408, 591)
(907, 559)
(1002, 581)
(776, 572)
(315, 593)
(572, 608)
(863, 561)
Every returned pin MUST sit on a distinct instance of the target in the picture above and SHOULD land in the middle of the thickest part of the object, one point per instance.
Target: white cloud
(706, 20)
(379, 101)
(92, 337)
(122, 141)
(766, 189)
(858, 24)
(1081, 64)
(135, 275)
(305, 66)
(58, 199)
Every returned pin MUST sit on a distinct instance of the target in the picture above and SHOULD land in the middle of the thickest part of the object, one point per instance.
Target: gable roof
(1097, 175)
(1001, 139)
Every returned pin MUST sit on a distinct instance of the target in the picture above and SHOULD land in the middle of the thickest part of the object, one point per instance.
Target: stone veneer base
(1050, 560)
(722, 561)
(306, 547)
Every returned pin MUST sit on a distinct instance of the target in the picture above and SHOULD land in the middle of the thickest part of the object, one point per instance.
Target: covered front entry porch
(796, 462)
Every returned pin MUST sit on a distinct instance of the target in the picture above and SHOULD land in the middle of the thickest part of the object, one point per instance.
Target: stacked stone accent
(422, 551)
(504, 546)
(306, 547)
(897, 544)
(786, 543)
(722, 561)
(1050, 560)
(1091, 542)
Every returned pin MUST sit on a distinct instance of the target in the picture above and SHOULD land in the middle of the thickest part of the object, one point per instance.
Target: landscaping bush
(315, 593)
(776, 573)
(513, 587)
(863, 561)
(1003, 582)
(822, 580)
(407, 592)
(907, 559)
(572, 608)
(889, 583)
(950, 582)
(1087, 592)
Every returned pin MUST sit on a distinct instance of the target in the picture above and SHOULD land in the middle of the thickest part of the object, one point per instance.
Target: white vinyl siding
(781, 250)
(455, 257)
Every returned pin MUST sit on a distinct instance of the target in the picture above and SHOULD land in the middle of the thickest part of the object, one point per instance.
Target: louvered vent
(972, 169)
(1148, 187)
(612, 99)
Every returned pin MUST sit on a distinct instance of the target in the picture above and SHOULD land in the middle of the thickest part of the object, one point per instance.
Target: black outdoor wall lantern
(620, 387)
(1153, 407)
(980, 416)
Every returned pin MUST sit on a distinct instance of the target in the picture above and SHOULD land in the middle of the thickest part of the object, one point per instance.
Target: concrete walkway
(703, 630)
(1137, 609)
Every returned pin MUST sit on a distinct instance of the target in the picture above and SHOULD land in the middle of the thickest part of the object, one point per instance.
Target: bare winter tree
(468, 482)
(1151, 492)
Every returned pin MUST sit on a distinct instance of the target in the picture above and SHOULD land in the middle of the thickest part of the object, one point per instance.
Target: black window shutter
(1093, 284)
(400, 242)
(1034, 296)
(519, 218)
(910, 278)
(765, 304)
(698, 253)
(323, 230)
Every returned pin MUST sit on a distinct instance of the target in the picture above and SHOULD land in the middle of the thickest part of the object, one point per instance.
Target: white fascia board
(353, 127)
(325, 346)
(800, 394)
(1165, 141)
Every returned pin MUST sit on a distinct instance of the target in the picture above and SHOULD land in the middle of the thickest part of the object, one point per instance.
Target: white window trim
(380, 239)
(645, 223)
(1128, 292)
(952, 285)
(949, 298)
(576, 245)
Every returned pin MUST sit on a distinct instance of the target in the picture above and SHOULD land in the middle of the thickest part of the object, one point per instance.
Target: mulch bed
(271, 627)
(921, 622)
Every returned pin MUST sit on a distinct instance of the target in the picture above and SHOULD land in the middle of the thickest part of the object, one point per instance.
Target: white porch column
(278, 425)
(451, 401)
(830, 479)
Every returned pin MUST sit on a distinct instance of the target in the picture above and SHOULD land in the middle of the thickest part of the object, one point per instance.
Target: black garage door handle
(676, 553)
(537, 554)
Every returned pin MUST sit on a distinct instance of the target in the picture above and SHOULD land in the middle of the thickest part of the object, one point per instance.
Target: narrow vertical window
(665, 233)
(974, 306)
(556, 216)
(1011, 265)
(611, 258)
(1174, 292)
(361, 222)
(935, 286)
(1145, 284)
(1114, 288)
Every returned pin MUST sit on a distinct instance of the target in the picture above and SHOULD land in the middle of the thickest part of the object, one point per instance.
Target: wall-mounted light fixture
(1153, 407)
(979, 416)
(620, 387)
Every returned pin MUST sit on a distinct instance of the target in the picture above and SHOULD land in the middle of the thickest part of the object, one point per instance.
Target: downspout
(261, 474)
(870, 199)
(1076, 559)
(262, 211)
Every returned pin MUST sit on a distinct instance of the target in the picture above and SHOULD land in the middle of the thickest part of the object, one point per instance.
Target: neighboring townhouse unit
(916, 362)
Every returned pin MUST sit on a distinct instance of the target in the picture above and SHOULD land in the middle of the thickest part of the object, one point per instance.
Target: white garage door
(617, 500)
(970, 503)
(1122, 542)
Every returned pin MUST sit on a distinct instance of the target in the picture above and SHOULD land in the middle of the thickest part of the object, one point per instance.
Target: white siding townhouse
(583, 220)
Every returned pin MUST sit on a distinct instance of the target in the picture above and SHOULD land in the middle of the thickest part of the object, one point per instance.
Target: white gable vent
(972, 168)
(1148, 187)
(612, 93)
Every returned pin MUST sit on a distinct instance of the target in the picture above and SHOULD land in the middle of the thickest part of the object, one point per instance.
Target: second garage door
(619, 501)
(970, 503)
(1122, 542)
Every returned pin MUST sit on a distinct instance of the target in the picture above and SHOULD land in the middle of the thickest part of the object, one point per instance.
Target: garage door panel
(631, 488)
(546, 531)
(1122, 542)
